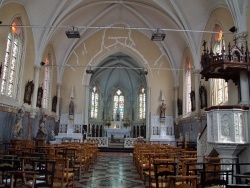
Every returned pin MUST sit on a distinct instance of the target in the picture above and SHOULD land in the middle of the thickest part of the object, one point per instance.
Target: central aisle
(113, 170)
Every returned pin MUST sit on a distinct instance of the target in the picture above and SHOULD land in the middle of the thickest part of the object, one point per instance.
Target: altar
(117, 133)
(70, 128)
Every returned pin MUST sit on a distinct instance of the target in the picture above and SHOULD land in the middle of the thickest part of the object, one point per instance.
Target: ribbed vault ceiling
(165, 14)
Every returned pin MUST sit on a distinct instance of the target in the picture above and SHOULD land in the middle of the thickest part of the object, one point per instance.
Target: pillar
(34, 97)
(197, 99)
(244, 86)
(148, 110)
(57, 123)
(59, 86)
(86, 116)
(176, 115)
(176, 104)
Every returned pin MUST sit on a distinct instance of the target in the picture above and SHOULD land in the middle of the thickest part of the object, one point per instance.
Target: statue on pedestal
(71, 108)
(17, 132)
(41, 131)
(162, 110)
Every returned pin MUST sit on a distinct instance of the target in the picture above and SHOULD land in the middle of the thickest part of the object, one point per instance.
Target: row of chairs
(69, 159)
(166, 166)
(155, 160)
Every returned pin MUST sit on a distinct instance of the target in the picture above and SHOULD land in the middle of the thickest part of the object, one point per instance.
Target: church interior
(115, 84)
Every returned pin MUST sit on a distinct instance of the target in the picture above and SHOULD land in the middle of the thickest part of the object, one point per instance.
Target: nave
(113, 170)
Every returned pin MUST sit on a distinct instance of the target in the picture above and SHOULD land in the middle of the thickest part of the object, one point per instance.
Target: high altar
(117, 130)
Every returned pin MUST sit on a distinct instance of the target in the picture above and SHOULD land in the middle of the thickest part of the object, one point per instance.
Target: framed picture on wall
(28, 92)
(39, 97)
(54, 103)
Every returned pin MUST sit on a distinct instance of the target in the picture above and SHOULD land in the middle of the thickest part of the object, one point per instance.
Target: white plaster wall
(104, 43)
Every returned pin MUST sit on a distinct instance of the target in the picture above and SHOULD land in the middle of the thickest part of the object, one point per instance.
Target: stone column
(59, 86)
(148, 127)
(176, 104)
(197, 99)
(34, 97)
(57, 123)
(86, 116)
(197, 94)
(176, 127)
(244, 86)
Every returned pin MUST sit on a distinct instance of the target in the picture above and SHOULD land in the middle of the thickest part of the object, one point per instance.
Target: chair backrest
(183, 181)
(163, 168)
(46, 171)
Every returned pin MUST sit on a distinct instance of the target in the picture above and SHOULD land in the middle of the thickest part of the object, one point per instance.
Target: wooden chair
(7, 165)
(45, 173)
(182, 181)
(62, 176)
(162, 169)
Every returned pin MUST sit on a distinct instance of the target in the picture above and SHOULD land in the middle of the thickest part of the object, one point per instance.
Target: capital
(196, 71)
(240, 38)
(59, 85)
(33, 113)
(37, 68)
(57, 118)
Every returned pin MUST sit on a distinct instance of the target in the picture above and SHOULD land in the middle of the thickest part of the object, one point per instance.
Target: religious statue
(71, 108)
(52, 135)
(162, 110)
(117, 118)
(17, 132)
(41, 131)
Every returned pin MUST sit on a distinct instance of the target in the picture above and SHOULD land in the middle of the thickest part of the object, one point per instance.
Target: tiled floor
(112, 171)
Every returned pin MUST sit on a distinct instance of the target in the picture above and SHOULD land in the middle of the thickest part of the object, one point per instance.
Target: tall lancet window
(142, 103)
(219, 91)
(187, 87)
(118, 108)
(94, 102)
(47, 81)
(13, 60)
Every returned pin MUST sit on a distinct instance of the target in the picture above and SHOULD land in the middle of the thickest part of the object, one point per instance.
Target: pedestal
(40, 142)
(16, 143)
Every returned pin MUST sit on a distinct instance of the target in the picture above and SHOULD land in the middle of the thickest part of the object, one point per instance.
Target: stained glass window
(12, 61)
(118, 107)
(187, 87)
(94, 102)
(219, 91)
(142, 104)
(47, 81)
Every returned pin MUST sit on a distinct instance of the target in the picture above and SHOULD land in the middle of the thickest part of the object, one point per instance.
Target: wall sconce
(158, 35)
